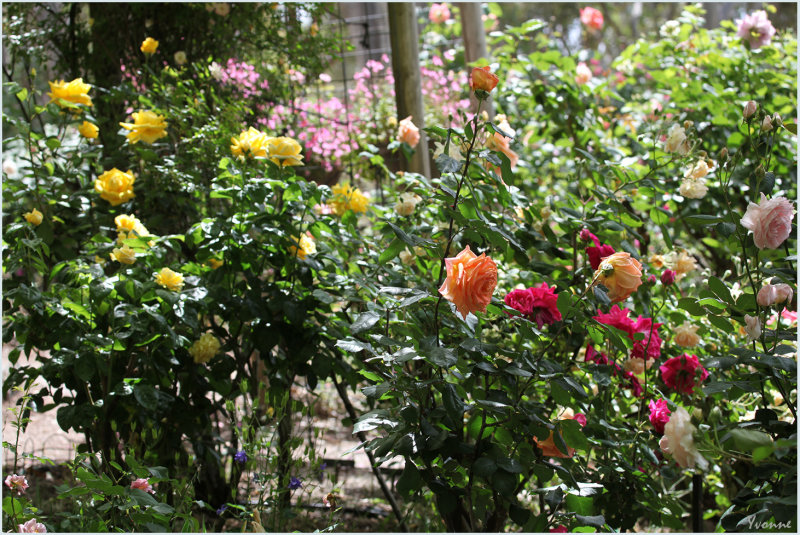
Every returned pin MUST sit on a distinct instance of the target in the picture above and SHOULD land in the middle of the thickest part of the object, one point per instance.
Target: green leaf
(365, 321)
(505, 483)
(146, 396)
(22, 94)
(748, 440)
(720, 289)
(594, 521)
(443, 356)
(393, 250)
(701, 220)
(573, 435)
(726, 229)
(410, 480)
(485, 467)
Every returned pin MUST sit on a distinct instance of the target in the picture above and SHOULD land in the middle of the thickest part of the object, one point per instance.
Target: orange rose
(470, 281)
(621, 274)
(483, 79)
(548, 446)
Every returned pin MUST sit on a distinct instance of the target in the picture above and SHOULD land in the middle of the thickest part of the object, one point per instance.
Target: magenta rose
(681, 373)
(597, 253)
(770, 220)
(545, 310)
(659, 414)
(644, 326)
(592, 355)
(617, 317)
(521, 301)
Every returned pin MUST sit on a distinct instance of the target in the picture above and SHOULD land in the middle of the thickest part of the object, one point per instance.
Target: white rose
(678, 440)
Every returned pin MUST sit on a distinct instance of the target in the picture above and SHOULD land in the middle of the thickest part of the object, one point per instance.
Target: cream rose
(678, 440)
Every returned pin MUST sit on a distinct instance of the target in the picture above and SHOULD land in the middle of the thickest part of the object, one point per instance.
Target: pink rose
(592, 355)
(668, 277)
(681, 373)
(16, 483)
(771, 294)
(617, 317)
(439, 13)
(659, 414)
(592, 18)
(645, 326)
(521, 301)
(582, 74)
(536, 304)
(756, 28)
(32, 526)
(770, 220)
(143, 484)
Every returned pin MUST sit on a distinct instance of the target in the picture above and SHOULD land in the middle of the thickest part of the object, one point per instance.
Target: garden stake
(697, 503)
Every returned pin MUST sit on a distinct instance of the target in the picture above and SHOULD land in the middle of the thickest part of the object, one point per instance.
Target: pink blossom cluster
(243, 77)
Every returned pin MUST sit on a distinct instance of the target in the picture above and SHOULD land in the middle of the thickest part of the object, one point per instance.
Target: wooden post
(474, 37)
(404, 37)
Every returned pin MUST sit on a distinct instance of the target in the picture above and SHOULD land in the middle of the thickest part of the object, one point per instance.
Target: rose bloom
(75, 92)
(34, 217)
(169, 279)
(180, 57)
(536, 304)
(470, 281)
(149, 46)
(668, 277)
(692, 188)
(771, 294)
(583, 74)
(637, 365)
(482, 78)
(592, 18)
(16, 483)
(617, 317)
(32, 526)
(407, 203)
(659, 414)
(222, 9)
(678, 440)
(115, 186)
(129, 226)
(439, 13)
(697, 171)
(407, 258)
(752, 326)
(651, 341)
(621, 274)
(500, 143)
(682, 263)
(204, 348)
(215, 263)
(680, 373)
(250, 144)
(285, 151)
(123, 255)
(347, 198)
(686, 335)
(756, 29)
(597, 253)
(407, 132)
(770, 220)
(143, 484)
(147, 126)
(676, 140)
(307, 247)
(88, 130)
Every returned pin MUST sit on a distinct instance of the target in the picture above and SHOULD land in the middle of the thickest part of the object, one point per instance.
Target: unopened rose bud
(776, 119)
(766, 124)
(688, 124)
(668, 277)
(651, 279)
(749, 109)
(585, 235)
(723, 154)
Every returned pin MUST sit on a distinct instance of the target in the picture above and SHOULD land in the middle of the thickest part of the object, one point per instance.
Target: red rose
(617, 317)
(659, 414)
(597, 253)
(681, 373)
(544, 305)
(521, 301)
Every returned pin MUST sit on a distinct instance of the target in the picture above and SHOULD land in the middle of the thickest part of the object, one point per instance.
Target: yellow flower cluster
(75, 92)
(170, 280)
(147, 126)
(115, 186)
(346, 198)
(129, 226)
(307, 247)
(253, 143)
(204, 348)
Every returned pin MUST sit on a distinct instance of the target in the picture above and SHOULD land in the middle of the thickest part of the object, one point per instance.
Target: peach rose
(686, 335)
(483, 78)
(407, 132)
(770, 220)
(470, 281)
(621, 274)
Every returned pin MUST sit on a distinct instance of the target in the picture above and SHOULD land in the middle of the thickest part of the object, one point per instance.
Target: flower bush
(584, 316)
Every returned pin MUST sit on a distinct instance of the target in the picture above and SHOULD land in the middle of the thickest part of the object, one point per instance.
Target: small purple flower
(240, 457)
(222, 509)
(323, 466)
(295, 483)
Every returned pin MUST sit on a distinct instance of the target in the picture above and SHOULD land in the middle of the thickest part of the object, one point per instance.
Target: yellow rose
(128, 223)
(307, 247)
(88, 130)
(75, 92)
(149, 46)
(205, 348)
(621, 274)
(34, 217)
(124, 255)
(169, 279)
(285, 151)
(347, 198)
(250, 144)
(115, 186)
(686, 335)
(682, 263)
(147, 126)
